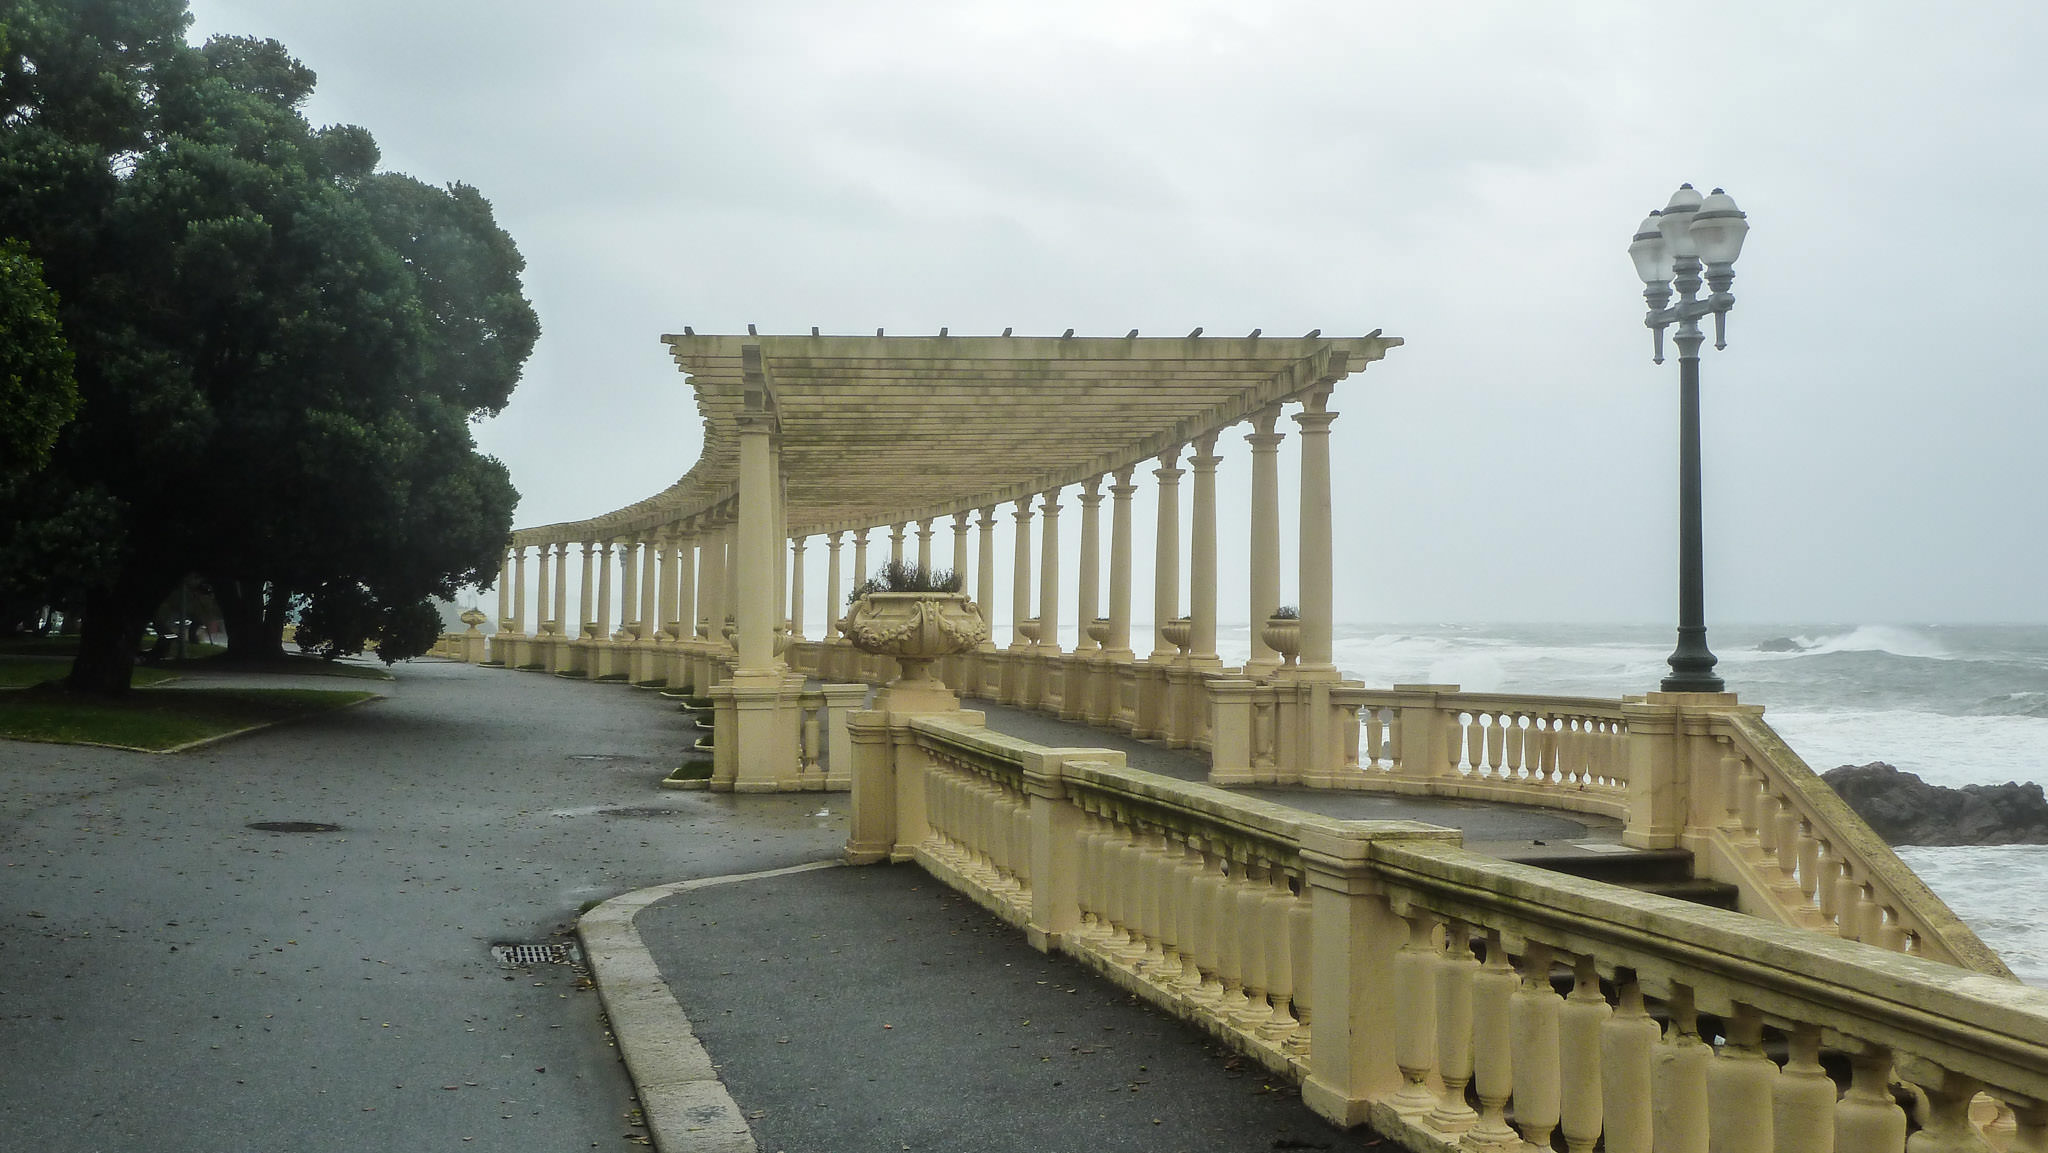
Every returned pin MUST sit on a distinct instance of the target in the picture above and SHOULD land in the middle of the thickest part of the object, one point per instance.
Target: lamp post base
(1692, 664)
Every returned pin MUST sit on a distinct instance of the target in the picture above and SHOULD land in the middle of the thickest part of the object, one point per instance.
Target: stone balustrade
(1451, 999)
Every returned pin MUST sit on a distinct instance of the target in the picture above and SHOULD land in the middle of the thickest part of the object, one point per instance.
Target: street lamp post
(1669, 248)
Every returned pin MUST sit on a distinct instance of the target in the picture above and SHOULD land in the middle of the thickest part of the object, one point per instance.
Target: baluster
(1493, 1070)
(1803, 1099)
(1251, 948)
(1115, 893)
(1393, 745)
(1415, 1016)
(1678, 1079)
(1349, 724)
(1455, 968)
(1578, 1058)
(1848, 903)
(1374, 738)
(1732, 774)
(2030, 1129)
(1475, 745)
(1230, 942)
(1301, 944)
(1516, 740)
(1277, 907)
(1087, 885)
(1152, 903)
(1891, 933)
(1867, 1120)
(1556, 743)
(1809, 862)
(1739, 1085)
(1187, 872)
(812, 712)
(1533, 1017)
(1869, 918)
(1210, 899)
(1628, 1041)
(1020, 838)
(1496, 739)
(1946, 1119)
(1788, 852)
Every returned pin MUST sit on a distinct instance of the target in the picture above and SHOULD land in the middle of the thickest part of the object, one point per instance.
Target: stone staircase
(1666, 872)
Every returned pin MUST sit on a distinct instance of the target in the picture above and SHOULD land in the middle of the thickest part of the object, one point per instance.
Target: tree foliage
(279, 348)
(37, 393)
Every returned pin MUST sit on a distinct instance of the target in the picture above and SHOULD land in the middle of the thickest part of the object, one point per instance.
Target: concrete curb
(685, 1104)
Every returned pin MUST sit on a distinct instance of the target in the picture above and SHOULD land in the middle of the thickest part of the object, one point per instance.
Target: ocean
(1957, 704)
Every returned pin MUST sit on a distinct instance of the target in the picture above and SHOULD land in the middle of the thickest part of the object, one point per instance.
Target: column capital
(1091, 489)
(924, 527)
(1049, 502)
(1314, 422)
(1263, 421)
(796, 544)
(1205, 463)
(1023, 511)
(832, 539)
(988, 518)
(860, 536)
(960, 518)
(1171, 457)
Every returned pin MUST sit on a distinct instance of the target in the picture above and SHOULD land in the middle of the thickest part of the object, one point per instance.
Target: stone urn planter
(1033, 629)
(1098, 631)
(1180, 632)
(1283, 636)
(473, 618)
(916, 628)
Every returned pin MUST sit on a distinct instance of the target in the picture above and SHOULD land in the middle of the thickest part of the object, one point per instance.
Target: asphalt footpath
(853, 1009)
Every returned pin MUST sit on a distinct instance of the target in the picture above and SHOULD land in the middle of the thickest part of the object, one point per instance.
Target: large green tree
(280, 349)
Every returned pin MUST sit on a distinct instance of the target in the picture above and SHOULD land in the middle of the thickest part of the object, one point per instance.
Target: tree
(37, 393)
(280, 368)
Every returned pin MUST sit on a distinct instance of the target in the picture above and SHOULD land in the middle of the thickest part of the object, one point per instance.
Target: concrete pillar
(758, 545)
(924, 545)
(1166, 554)
(563, 625)
(1020, 575)
(1265, 536)
(684, 608)
(960, 548)
(783, 611)
(710, 581)
(1202, 553)
(663, 569)
(585, 602)
(1318, 603)
(730, 566)
(542, 600)
(1088, 591)
(860, 557)
(1049, 573)
(519, 592)
(505, 590)
(604, 591)
(1120, 562)
(796, 589)
(628, 587)
(896, 543)
(650, 585)
(833, 610)
(985, 573)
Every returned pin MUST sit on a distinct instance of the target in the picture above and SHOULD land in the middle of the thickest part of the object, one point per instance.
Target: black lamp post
(1673, 244)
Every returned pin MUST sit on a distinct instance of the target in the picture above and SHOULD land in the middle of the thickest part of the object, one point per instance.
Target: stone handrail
(1411, 983)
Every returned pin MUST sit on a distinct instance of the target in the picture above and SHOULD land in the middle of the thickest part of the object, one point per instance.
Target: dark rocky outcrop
(1905, 810)
(1780, 645)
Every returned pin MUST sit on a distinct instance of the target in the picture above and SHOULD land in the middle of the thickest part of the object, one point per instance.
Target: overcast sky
(1464, 176)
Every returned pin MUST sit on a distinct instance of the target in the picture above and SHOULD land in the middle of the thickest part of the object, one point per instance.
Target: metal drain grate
(520, 956)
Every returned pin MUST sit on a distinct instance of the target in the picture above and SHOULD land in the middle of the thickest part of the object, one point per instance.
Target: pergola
(881, 429)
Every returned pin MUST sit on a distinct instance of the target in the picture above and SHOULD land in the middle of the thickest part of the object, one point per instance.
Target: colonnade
(684, 581)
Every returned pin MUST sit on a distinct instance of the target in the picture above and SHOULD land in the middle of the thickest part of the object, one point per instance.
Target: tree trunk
(276, 612)
(105, 664)
(243, 605)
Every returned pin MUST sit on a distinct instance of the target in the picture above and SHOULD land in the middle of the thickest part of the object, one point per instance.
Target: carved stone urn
(1033, 629)
(473, 618)
(916, 628)
(1180, 632)
(1283, 636)
(1098, 631)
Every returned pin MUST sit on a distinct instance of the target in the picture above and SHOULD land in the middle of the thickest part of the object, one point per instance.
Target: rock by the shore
(1780, 645)
(1905, 810)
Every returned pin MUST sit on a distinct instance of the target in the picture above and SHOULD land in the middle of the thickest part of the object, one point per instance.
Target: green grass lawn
(21, 672)
(159, 719)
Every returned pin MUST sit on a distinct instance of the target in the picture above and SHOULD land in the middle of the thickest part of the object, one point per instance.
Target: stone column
(796, 589)
(650, 585)
(505, 590)
(663, 572)
(1088, 593)
(758, 545)
(586, 599)
(684, 607)
(1265, 541)
(710, 580)
(543, 602)
(985, 574)
(1049, 573)
(1120, 562)
(1166, 555)
(519, 592)
(1202, 553)
(730, 566)
(1020, 575)
(1318, 594)
(628, 587)
(832, 601)
(603, 619)
(860, 557)
(561, 601)
(783, 599)
(896, 543)
(960, 548)
(924, 545)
